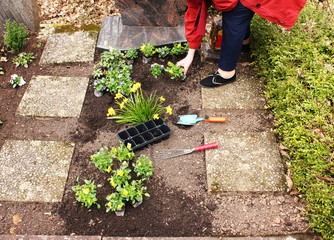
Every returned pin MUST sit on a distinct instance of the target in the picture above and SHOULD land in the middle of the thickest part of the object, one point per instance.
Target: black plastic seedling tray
(145, 133)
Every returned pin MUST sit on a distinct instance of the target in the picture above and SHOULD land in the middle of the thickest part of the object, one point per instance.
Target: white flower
(22, 82)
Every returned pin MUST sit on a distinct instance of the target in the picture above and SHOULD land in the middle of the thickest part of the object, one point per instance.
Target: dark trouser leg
(235, 29)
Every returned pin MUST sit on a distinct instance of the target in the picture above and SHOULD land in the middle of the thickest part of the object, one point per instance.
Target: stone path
(247, 162)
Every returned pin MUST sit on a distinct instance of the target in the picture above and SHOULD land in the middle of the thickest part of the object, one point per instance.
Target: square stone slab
(34, 171)
(53, 96)
(69, 47)
(244, 162)
(244, 93)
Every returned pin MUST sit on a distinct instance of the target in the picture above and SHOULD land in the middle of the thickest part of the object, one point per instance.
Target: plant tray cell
(146, 133)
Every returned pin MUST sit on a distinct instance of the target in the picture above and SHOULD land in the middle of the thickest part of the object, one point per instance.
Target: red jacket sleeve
(194, 21)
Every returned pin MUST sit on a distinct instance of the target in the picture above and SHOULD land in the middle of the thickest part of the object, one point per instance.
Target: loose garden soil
(180, 204)
(168, 212)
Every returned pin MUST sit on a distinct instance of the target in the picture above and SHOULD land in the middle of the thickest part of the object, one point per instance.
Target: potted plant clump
(148, 51)
(175, 72)
(130, 56)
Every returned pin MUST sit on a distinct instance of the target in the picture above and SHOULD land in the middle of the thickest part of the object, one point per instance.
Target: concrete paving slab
(69, 48)
(53, 96)
(34, 171)
(46, 237)
(244, 93)
(244, 162)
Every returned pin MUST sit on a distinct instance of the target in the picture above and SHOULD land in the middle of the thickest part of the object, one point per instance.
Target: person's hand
(186, 62)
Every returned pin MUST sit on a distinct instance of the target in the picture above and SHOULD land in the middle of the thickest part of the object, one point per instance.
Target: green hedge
(297, 67)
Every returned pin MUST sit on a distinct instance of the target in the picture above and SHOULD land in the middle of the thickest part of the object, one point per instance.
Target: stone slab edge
(54, 237)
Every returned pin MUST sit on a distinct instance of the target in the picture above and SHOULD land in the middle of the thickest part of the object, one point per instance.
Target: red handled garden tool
(162, 154)
(192, 119)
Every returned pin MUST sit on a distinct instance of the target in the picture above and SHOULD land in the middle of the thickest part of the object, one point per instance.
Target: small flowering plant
(174, 71)
(177, 49)
(143, 167)
(86, 193)
(116, 202)
(163, 51)
(119, 80)
(103, 159)
(112, 59)
(148, 49)
(23, 59)
(120, 176)
(15, 80)
(134, 191)
(156, 70)
(138, 108)
(131, 54)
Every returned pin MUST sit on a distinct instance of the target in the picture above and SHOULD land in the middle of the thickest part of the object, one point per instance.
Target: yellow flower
(179, 45)
(92, 158)
(125, 100)
(112, 182)
(124, 163)
(120, 173)
(109, 204)
(150, 163)
(111, 112)
(114, 150)
(142, 48)
(86, 191)
(162, 99)
(128, 146)
(169, 110)
(156, 116)
(137, 85)
(121, 106)
(108, 169)
(125, 193)
(119, 207)
(139, 164)
(118, 95)
(171, 72)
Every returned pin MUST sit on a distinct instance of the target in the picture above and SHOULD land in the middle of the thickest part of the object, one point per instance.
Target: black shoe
(215, 80)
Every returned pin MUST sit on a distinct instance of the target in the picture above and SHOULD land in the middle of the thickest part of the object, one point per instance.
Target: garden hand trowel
(192, 119)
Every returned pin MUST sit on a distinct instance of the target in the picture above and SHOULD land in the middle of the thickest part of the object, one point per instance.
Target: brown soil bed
(168, 212)
(180, 204)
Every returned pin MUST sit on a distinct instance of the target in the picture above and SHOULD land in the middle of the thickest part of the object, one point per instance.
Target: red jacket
(282, 12)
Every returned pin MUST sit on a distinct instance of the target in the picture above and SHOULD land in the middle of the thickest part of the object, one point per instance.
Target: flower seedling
(148, 49)
(134, 191)
(177, 49)
(103, 159)
(131, 54)
(156, 70)
(120, 176)
(23, 59)
(86, 193)
(116, 202)
(174, 71)
(1, 71)
(163, 52)
(15, 80)
(143, 167)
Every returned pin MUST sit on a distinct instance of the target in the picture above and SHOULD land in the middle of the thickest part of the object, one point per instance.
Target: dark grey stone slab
(116, 35)
(151, 12)
(22, 11)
